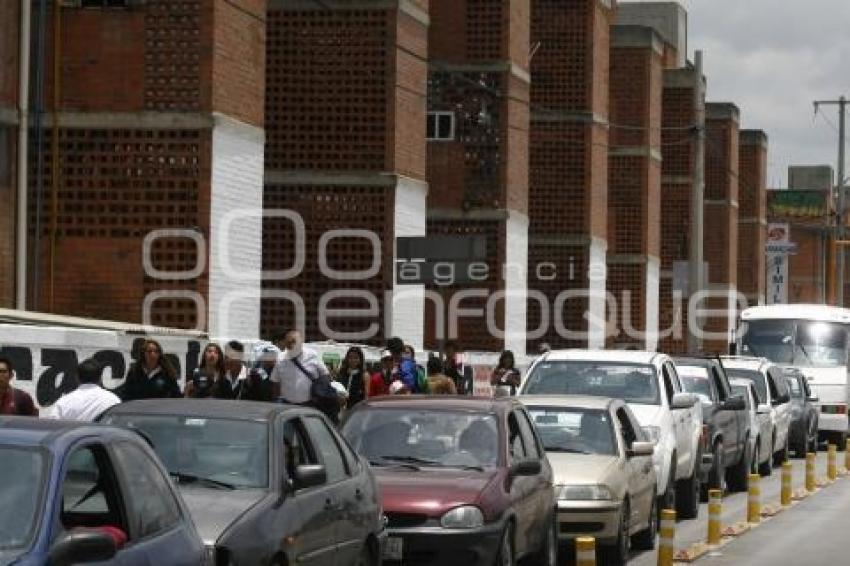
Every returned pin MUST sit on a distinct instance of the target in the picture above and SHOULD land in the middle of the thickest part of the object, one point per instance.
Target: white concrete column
(516, 283)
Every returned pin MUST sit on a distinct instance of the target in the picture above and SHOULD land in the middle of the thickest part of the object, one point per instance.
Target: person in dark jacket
(505, 378)
(206, 380)
(13, 401)
(151, 377)
(353, 376)
(257, 386)
(404, 370)
(454, 367)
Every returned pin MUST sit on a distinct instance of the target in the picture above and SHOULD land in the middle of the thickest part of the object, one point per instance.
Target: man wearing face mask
(297, 367)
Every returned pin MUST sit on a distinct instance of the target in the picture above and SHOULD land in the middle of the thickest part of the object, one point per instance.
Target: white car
(759, 415)
(773, 395)
(649, 384)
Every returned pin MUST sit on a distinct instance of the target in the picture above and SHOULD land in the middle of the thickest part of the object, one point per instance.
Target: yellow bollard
(787, 470)
(667, 540)
(585, 551)
(753, 499)
(831, 465)
(847, 455)
(810, 471)
(715, 513)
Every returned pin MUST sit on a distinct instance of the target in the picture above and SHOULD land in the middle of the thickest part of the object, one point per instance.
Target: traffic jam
(598, 457)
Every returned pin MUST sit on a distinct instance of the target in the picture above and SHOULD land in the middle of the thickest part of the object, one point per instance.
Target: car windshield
(634, 383)
(800, 343)
(756, 377)
(741, 390)
(424, 438)
(582, 431)
(230, 452)
(695, 380)
(20, 495)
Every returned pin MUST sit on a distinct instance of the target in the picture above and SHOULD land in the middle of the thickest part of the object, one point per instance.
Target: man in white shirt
(89, 400)
(289, 382)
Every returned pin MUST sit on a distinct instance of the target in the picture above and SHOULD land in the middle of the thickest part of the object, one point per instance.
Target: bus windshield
(801, 343)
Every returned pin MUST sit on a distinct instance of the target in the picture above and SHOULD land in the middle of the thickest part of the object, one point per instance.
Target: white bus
(813, 338)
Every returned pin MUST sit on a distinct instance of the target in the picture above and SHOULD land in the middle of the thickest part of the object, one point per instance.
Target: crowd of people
(285, 370)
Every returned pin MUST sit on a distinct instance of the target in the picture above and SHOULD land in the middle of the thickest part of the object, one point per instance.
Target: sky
(773, 58)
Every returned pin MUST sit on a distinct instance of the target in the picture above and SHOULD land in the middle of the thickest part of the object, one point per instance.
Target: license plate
(394, 548)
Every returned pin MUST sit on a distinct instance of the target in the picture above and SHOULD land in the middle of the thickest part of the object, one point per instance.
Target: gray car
(265, 483)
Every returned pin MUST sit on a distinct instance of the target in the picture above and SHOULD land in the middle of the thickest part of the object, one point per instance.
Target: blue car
(77, 493)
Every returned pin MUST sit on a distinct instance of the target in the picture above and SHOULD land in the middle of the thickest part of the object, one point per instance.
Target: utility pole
(695, 271)
(839, 230)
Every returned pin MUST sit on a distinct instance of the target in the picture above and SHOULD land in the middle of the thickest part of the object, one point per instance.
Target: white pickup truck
(648, 382)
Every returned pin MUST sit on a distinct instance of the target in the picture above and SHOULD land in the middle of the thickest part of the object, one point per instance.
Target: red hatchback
(463, 480)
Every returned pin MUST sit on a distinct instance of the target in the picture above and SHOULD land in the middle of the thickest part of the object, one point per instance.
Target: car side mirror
(309, 475)
(640, 449)
(683, 401)
(527, 467)
(81, 546)
(735, 403)
(763, 409)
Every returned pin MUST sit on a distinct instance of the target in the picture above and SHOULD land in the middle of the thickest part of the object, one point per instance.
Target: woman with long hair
(151, 376)
(206, 379)
(505, 378)
(352, 374)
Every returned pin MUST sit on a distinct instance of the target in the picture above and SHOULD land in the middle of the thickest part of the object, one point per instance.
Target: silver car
(759, 415)
(602, 463)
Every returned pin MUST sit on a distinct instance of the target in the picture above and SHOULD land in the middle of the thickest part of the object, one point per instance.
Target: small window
(328, 449)
(528, 437)
(668, 383)
(626, 428)
(441, 126)
(89, 492)
(153, 508)
(296, 448)
(515, 442)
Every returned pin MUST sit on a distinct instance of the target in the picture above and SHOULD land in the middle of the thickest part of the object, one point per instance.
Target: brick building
(162, 130)
(345, 150)
(721, 220)
(634, 186)
(568, 171)
(478, 90)
(10, 20)
(752, 214)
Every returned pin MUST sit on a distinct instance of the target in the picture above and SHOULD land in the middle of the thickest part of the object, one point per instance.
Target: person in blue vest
(404, 369)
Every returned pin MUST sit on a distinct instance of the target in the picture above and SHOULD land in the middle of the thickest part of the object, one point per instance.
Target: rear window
(695, 379)
(756, 377)
(634, 383)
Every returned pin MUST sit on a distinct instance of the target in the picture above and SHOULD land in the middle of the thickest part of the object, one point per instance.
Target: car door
(726, 421)
(345, 491)
(308, 513)
(91, 497)
(522, 488)
(542, 484)
(781, 395)
(680, 419)
(639, 470)
(155, 517)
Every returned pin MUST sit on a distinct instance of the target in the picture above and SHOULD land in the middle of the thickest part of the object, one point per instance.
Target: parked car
(266, 483)
(649, 383)
(463, 480)
(760, 423)
(804, 413)
(81, 493)
(725, 448)
(772, 388)
(604, 479)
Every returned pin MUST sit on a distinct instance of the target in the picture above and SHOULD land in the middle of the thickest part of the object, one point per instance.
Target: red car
(462, 480)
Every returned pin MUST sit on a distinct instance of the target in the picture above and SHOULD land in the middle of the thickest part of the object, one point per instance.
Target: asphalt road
(787, 538)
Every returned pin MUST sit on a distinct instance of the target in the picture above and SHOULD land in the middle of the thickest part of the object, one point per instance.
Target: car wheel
(687, 496)
(813, 440)
(717, 477)
(645, 539)
(548, 553)
(739, 472)
(766, 468)
(618, 554)
(667, 500)
(507, 555)
(782, 455)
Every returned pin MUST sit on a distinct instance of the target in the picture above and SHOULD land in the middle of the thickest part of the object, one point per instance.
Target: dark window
(328, 449)
(441, 126)
(90, 495)
(152, 507)
(626, 428)
(296, 447)
(104, 3)
(668, 383)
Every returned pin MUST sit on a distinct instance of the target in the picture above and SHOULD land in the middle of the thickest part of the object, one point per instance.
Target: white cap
(396, 387)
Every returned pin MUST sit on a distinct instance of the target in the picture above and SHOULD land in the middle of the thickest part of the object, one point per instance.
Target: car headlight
(583, 493)
(466, 517)
(653, 433)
